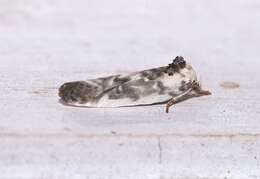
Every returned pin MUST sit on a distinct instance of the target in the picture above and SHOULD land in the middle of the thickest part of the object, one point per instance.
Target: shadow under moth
(163, 85)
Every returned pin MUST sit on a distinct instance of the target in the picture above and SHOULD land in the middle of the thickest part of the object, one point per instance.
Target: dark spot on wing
(121, 80)
(161, 87)
(153, 74)
(185, 85)
(79, 91)
(172, 94)
(142, 82)
(124, 91)
(104, 83)
(132, 93)
(116, 93)
(134, 89)
(111, 81)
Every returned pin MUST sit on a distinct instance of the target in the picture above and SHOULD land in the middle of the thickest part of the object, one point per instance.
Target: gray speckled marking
(161, 87)
(79, 91)
(118, 81)
(133, 90)
(124, 91)
(143, 83)
(172, 94)
(185, 85)
(104, 82)
(153, 74)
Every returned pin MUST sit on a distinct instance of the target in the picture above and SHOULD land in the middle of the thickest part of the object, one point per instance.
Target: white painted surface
(45, 43)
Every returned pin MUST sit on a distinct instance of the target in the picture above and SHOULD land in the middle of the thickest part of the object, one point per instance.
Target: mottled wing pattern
(145, 87)
(96, 92)
(151, 86)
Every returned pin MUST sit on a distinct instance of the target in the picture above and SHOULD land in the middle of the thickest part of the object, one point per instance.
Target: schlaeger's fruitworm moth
(163, 85)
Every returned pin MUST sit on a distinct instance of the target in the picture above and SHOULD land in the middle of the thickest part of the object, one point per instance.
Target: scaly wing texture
(146, 87)
(113, 90)
(151, 86)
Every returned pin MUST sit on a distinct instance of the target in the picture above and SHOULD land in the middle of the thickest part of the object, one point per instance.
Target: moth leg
(177, 98)
(194, 87)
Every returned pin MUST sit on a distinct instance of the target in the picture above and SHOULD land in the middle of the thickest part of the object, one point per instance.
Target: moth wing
(139, 88)
(136, 91)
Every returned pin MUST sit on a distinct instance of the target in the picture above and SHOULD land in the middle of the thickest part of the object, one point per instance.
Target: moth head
(177, 64)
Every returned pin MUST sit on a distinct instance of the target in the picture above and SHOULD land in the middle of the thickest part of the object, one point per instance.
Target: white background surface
(46, 43)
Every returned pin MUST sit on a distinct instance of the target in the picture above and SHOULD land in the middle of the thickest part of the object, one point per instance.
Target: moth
(163, 85)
